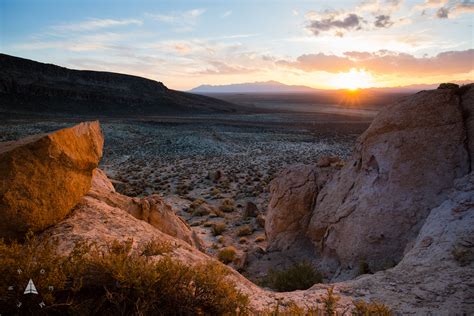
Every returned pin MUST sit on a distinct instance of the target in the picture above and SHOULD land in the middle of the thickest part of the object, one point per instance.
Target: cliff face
(32, 87)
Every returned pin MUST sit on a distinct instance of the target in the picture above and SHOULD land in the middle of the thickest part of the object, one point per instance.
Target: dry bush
(227, 206)
(113, 280)
(330, 301)
(227, 254)
(244, 231)
(373, 308)
(218, 228)
(155, 248)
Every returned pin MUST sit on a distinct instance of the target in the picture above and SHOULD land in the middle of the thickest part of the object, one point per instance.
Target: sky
(321, 44)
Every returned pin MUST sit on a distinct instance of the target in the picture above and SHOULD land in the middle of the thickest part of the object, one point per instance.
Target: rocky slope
(27, 86)
(372, 210)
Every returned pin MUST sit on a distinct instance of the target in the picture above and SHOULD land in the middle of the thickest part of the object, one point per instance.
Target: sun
(353, 80)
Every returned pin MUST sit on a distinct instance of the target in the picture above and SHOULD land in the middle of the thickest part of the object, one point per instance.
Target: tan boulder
(43, 177)
(400, 169)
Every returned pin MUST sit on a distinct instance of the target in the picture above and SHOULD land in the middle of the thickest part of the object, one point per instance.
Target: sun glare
(353, 80)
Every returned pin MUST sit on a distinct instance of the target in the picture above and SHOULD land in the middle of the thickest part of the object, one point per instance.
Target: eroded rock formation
(42, 177)
(372, 210)
(151, 209)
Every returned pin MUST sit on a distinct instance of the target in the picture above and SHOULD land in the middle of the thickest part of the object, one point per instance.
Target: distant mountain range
(278, 87)
(253, 87)
(31, 87)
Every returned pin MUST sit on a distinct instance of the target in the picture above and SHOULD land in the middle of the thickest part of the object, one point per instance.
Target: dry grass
(115, 280)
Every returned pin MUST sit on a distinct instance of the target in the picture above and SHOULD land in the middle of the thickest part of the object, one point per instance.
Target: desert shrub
(227, 206)
(113, 280)
(218, 228)
(243, 240)
(196, 203)
(300, 276)
(201, 210)
(217, 212)
(330, 301)
(227, 254)
(373, 308)
(155, 247)
(244, 231)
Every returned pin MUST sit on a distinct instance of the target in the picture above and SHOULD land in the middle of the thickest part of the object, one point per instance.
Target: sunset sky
(322, 44)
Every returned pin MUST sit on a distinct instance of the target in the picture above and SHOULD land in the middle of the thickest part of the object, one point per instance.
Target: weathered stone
(400, 169)
(293, 194)
(151, 209)
(43, 177)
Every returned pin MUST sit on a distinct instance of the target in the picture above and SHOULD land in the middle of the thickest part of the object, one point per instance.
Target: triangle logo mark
(30, 288)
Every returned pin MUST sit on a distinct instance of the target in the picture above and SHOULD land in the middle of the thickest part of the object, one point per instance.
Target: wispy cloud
(94, 24)
(183, 21)
(384, 62)
(226, 14)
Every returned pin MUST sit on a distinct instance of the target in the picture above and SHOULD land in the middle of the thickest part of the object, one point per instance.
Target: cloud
(222, 68)
(183, 21)
(383, 21)
(446, 8)
(226, 14)
(319, 62)
(94, 24)
(177, 17)
(334, 22)
(387, 62)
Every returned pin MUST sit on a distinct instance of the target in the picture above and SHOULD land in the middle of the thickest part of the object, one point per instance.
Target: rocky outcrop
(435, 275)
(293, 196)
(151, 209)
(44, 176)
(401, 165)
(372, 210)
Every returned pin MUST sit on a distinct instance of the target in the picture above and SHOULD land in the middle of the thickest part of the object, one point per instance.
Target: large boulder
(43, 177)
(400, 169)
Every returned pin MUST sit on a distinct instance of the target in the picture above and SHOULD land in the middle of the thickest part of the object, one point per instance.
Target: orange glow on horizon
(353, 80)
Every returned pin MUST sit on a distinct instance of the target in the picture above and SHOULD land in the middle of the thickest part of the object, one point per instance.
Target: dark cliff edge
(30, 87)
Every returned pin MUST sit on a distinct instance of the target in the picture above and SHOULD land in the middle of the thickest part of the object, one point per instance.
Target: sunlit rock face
(400, 169)
(43, 177)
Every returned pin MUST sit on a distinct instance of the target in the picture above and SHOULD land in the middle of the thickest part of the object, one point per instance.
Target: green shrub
(227, 254)
(114, 280)
(300, 276)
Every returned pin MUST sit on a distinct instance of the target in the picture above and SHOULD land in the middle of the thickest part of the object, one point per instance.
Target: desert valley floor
(214, 158)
